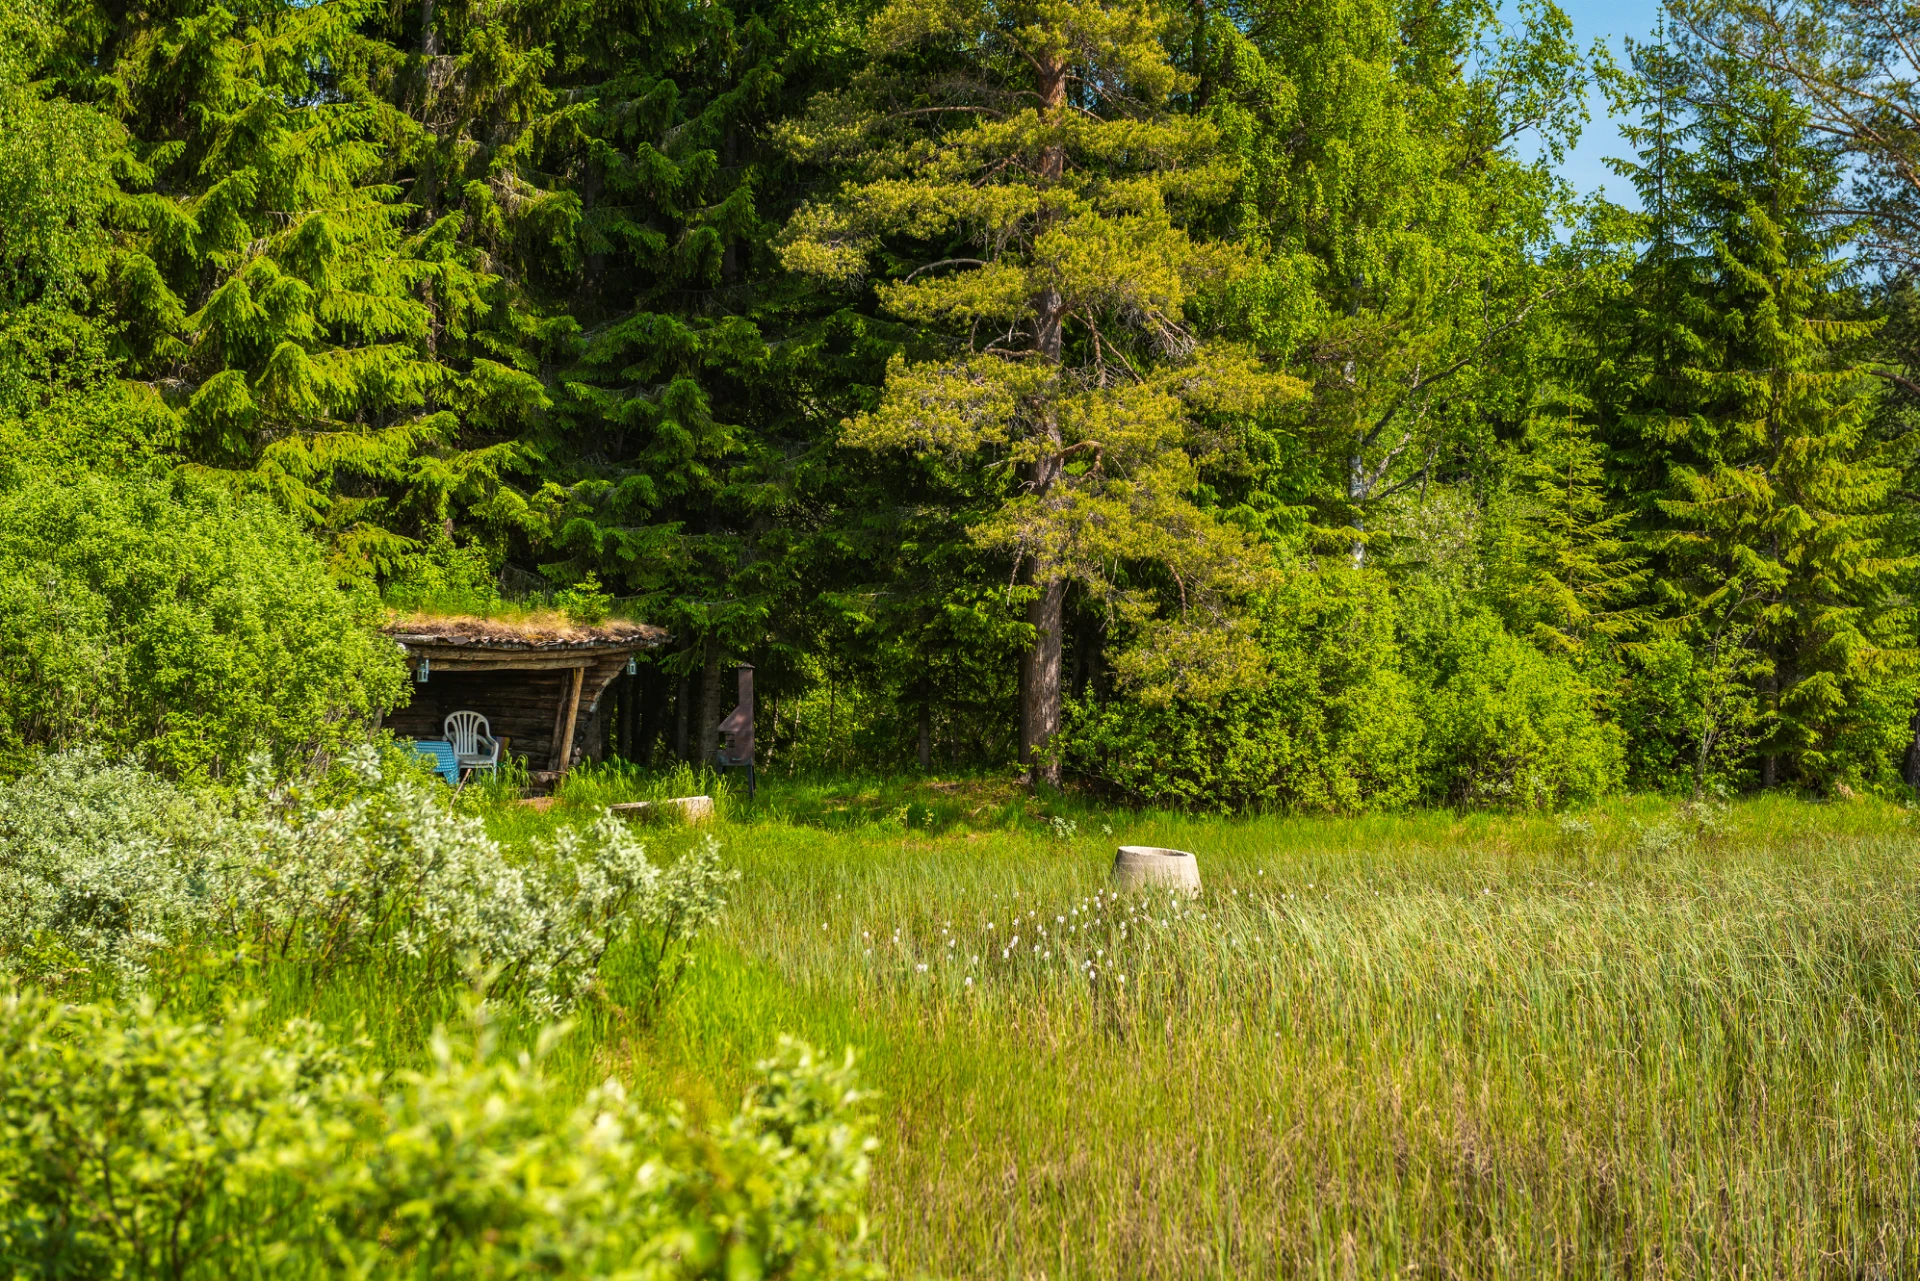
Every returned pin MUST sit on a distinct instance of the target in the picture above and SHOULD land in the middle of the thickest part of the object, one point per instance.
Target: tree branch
(946, 262)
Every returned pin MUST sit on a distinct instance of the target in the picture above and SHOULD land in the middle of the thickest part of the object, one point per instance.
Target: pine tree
(1021, 167)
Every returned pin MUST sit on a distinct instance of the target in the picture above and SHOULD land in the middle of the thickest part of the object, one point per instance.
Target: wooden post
(573, 710)
(563, 720)
(629, 695)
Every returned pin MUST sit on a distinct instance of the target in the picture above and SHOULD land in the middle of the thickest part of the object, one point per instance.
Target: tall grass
(1628, 1046)
(1643, 1042)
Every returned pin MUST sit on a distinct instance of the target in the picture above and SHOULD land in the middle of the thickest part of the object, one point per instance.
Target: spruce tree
(1637, 331)
(1577, 577)
(1774, 518)
(1019, 176)
(309, 334)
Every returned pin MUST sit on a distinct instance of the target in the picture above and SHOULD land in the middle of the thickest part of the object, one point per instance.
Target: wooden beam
(487, 654)
(563, 727)
(528, 664)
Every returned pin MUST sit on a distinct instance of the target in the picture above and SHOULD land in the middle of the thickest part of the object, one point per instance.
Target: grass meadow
(1638, 1042)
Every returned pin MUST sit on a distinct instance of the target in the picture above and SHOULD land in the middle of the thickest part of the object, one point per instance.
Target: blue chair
(440, 752)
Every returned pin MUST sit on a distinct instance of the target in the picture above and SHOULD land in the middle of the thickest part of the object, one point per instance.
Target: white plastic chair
(474, 746)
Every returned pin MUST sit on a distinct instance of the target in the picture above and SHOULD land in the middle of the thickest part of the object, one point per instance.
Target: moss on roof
(533, 630)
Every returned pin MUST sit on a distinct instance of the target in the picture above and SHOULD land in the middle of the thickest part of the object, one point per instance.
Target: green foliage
(63, 407)
(584, 602)
(687, 901)
(55, 176)
(445, 577)
(169, 619)
(1408, 245)
(1776, 511)
(1040, 187)
(135, 1145)
(1506, 725)
(311, 337)
(100, 864)
(1688, 723)
(1333, 726)
(1571, 577)
(948, 360)
(1731, 382)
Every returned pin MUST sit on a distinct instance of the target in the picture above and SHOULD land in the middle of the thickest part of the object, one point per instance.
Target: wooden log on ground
(691, 809)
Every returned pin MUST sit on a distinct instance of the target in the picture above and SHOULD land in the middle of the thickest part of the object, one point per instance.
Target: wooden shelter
(538, 683)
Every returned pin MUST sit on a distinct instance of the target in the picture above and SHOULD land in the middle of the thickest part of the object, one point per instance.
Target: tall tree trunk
(926, 728)
(711, 713)
(682, 695)
(1356, 493)
(1040, 665)
(1040, 682)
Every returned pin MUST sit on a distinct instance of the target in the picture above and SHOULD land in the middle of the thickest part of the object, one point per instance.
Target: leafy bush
(62, 409)
(1332, 727)
(100, 864)
(132, 1145)
(1507, 725)
(445, 577)
(103, 865)
(173, 620)
(585, 603)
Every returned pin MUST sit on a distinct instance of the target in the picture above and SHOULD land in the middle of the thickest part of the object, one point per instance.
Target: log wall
(519, 705)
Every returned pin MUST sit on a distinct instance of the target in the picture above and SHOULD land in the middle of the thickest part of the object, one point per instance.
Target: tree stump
(1149, 866)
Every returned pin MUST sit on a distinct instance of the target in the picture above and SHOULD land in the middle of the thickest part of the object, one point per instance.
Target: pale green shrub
(101, 865)
(396, 868)
(687, 900)
(132, 1145)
